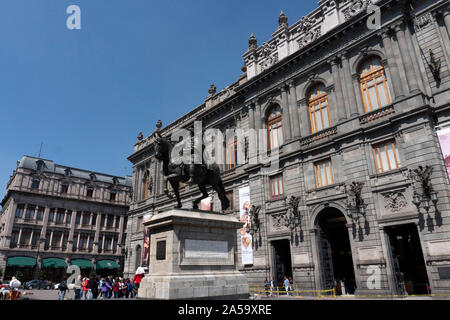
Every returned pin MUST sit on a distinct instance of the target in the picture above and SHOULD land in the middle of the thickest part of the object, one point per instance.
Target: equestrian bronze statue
(203, 174)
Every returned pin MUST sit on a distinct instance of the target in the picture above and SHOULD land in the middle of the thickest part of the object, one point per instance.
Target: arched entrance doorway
(334, 252)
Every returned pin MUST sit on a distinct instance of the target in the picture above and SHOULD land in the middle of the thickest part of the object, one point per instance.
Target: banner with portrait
(444, 140)
(246, 238)
(146, 250)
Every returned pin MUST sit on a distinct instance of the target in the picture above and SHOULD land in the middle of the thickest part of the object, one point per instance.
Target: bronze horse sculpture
(176, 173)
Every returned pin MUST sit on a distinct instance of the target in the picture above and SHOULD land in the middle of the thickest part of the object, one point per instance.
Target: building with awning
(107, 264)
(53, 263)
(83, 219)
(82, 263)
(21, 262)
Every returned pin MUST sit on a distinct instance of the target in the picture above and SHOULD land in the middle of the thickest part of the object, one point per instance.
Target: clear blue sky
(87, 93)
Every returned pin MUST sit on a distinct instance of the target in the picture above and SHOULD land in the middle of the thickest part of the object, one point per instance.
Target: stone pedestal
(193, 254)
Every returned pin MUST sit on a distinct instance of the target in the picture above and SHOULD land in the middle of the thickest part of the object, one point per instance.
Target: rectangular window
(90, 192)
(102, 221)
(56, 240)
(385, 155)
(78, 218)
(64, 241)
(86, 218)
(229, 196)
(110, 221)
(64, 188)
(139, 223)
(323, 173)
(60, 216)
(112, 196)
(14, 238)
(40, 214)
(108, 242)
(68, 216)
(91, 242)
(83, 241)
(29, 213)
(94, 219)
(51, 215)
(25, 237)
(35, 238)
(276, 185)
(35, 184)
(117, 222)
(19, 210)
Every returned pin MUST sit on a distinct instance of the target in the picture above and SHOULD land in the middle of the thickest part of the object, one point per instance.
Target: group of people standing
(99, 287)
(269, 286)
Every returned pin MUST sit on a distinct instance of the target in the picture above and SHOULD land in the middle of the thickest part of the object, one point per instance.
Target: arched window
(274, 128)
(138, 256)
(319, 114)
(374, 88)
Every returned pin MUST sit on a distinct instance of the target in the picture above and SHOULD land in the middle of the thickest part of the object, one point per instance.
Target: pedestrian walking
(140, 272)
(85, 287)
(266, 286)
(116, 288)
(271, 287)
(93, 286)
(63, 288)
(291, 284)
(286, 285)
(128, 288)
(109, 287)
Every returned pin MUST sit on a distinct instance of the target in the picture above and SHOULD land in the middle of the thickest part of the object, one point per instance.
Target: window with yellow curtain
(385, 155)
(319, 114)
(275, 128)
(374, 88)
(323, 173)
(146, 181)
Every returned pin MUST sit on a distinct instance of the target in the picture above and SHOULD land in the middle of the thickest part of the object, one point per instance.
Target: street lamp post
(422, 175)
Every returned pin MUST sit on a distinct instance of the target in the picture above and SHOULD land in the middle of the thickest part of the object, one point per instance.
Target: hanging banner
(246, 239)
(146, 250)
(444, 140)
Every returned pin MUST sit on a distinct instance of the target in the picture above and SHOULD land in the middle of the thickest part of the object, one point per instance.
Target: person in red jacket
(85, 288)
(140, 272)
(116, 288)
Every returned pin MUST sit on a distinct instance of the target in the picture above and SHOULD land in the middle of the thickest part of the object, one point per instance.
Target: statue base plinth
(193, 255)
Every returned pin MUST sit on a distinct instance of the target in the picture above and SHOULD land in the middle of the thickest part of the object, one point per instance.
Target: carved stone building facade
(358, 110)
(54, 216)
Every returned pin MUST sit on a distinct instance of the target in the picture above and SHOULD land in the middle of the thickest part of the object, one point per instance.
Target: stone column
(293, 110)
(44, 229)
(393, 68)
(72, 229)
(340, 103)
(97, 232)
(257, 115)
(50, 244)
(103, 243)
(119, 241)
(411, 77)
(357, 89)
(286, 115)
(353, 107)
(446, 16)
(19, 237)
(78, 240)
(251, 115)
(304, 118)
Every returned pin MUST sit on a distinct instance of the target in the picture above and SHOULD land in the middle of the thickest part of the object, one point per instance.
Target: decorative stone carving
(140, 136)
(395, 201)
(355, 8)
(306, 24)
(279, 221)
(309, 37)
(268, 62)
(423, 20)
(212, 90)
(283, 20)
(252, 42)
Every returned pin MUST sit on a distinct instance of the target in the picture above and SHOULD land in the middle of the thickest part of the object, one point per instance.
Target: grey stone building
(353, 109)
(54, 216)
